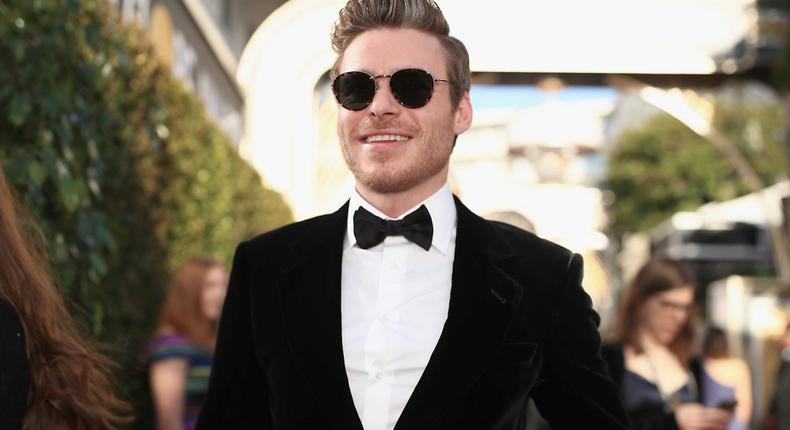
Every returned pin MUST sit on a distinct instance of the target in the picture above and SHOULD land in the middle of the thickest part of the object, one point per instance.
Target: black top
(14, 372)
(647, 416)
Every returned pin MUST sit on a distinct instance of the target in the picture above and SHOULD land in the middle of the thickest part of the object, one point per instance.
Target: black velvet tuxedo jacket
(519, 325)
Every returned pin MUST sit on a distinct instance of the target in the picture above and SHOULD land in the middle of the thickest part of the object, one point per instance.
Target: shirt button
(384, 317)
(394, 265)
(379, 376)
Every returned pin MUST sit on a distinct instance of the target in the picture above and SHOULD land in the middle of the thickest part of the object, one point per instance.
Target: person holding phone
(778, 417)
(729, 386)
(650, 358)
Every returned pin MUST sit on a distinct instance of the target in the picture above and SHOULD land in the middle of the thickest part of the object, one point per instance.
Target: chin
(669, 338)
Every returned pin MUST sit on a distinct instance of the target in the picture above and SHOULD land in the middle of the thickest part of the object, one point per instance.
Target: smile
(386, 138)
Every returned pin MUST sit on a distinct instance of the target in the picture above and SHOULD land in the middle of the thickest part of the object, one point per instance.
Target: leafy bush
(117, 162)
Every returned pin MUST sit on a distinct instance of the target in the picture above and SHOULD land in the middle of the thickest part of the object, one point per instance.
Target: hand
(694, 416)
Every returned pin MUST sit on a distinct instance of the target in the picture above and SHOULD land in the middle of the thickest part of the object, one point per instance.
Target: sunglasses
(412, 88)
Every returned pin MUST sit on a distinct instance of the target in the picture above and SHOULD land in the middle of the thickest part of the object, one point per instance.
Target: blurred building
(530, 162)
(201, 41)
(724, 238)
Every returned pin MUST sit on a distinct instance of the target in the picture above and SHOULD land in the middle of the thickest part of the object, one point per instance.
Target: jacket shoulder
(282, 236)
(528, 245)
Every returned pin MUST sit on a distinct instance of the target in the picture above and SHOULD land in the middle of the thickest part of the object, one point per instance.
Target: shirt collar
(440, 205)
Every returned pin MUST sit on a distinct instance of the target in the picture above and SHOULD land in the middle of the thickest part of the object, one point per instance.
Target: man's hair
(359, 16)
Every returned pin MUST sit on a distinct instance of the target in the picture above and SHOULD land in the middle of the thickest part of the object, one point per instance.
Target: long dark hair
(656, 276)
(70, 380)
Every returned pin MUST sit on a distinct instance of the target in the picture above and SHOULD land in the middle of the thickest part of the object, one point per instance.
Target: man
(437, 320)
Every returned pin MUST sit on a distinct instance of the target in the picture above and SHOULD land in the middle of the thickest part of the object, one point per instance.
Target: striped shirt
(176, 345)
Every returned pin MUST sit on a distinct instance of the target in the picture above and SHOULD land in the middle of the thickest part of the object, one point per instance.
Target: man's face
(388, 147)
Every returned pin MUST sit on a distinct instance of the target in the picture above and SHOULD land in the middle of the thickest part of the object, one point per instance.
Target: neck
(396, 204)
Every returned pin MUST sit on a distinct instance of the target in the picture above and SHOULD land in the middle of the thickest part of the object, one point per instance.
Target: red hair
(70, 385)
(183, 310)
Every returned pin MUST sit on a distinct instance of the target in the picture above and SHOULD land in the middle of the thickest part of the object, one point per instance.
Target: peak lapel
(310, 298)
(483, 301)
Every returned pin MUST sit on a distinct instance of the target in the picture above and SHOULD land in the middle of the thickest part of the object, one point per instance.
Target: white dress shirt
(394, 302)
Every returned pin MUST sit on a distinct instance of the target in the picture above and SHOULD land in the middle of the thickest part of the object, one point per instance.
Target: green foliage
(664, 167)
(117, 162)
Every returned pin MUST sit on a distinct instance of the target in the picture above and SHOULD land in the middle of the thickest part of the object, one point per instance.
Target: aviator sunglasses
(412, 88)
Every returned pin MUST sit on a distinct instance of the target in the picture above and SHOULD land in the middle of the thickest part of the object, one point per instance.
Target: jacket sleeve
(575, 390)
(237, 392)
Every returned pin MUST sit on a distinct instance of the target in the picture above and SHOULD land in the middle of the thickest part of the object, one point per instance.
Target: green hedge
(118, 163)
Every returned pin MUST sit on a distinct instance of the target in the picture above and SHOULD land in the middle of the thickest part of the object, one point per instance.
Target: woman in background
(52, 376)
(181, 351)
(650, 359)
(729, 380)
(778, 417)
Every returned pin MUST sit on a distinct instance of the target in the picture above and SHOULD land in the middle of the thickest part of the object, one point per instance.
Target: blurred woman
(51, 375)
(650, 359)
(728, 380)
(778, 416)
(181, 351)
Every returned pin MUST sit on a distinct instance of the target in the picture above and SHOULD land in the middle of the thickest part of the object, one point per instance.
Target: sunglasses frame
(394, 94)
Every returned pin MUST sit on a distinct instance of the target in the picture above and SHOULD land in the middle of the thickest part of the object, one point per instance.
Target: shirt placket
(381, 347)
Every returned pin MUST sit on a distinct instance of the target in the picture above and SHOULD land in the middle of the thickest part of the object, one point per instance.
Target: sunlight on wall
(278, 72)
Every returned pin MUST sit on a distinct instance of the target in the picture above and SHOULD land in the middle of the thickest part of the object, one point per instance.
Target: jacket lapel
(483, 301)
(310, 298)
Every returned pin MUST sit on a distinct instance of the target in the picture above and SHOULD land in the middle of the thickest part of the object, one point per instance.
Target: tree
(665, 167)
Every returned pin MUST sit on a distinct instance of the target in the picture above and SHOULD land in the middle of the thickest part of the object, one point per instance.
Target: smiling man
(403, 309)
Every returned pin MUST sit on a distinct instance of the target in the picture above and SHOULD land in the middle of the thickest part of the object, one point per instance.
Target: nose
(384, 102)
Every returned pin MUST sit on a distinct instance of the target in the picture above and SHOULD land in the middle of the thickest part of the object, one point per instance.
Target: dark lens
(354, 90)
(412, 87)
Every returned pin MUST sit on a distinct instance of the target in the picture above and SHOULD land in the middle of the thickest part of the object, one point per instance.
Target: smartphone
(727, 405)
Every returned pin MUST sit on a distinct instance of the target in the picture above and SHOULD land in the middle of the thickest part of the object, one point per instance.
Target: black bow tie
(371, 230)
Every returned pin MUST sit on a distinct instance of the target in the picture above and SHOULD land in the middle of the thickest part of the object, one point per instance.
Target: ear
(463, 115)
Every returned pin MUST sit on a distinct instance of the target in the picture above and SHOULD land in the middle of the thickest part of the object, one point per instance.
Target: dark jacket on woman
(648, 417)
(13, 369)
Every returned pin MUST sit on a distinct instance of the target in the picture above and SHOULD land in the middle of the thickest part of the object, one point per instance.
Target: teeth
(383, 137)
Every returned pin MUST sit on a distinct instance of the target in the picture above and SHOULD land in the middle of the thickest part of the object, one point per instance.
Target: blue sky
(524, 96)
